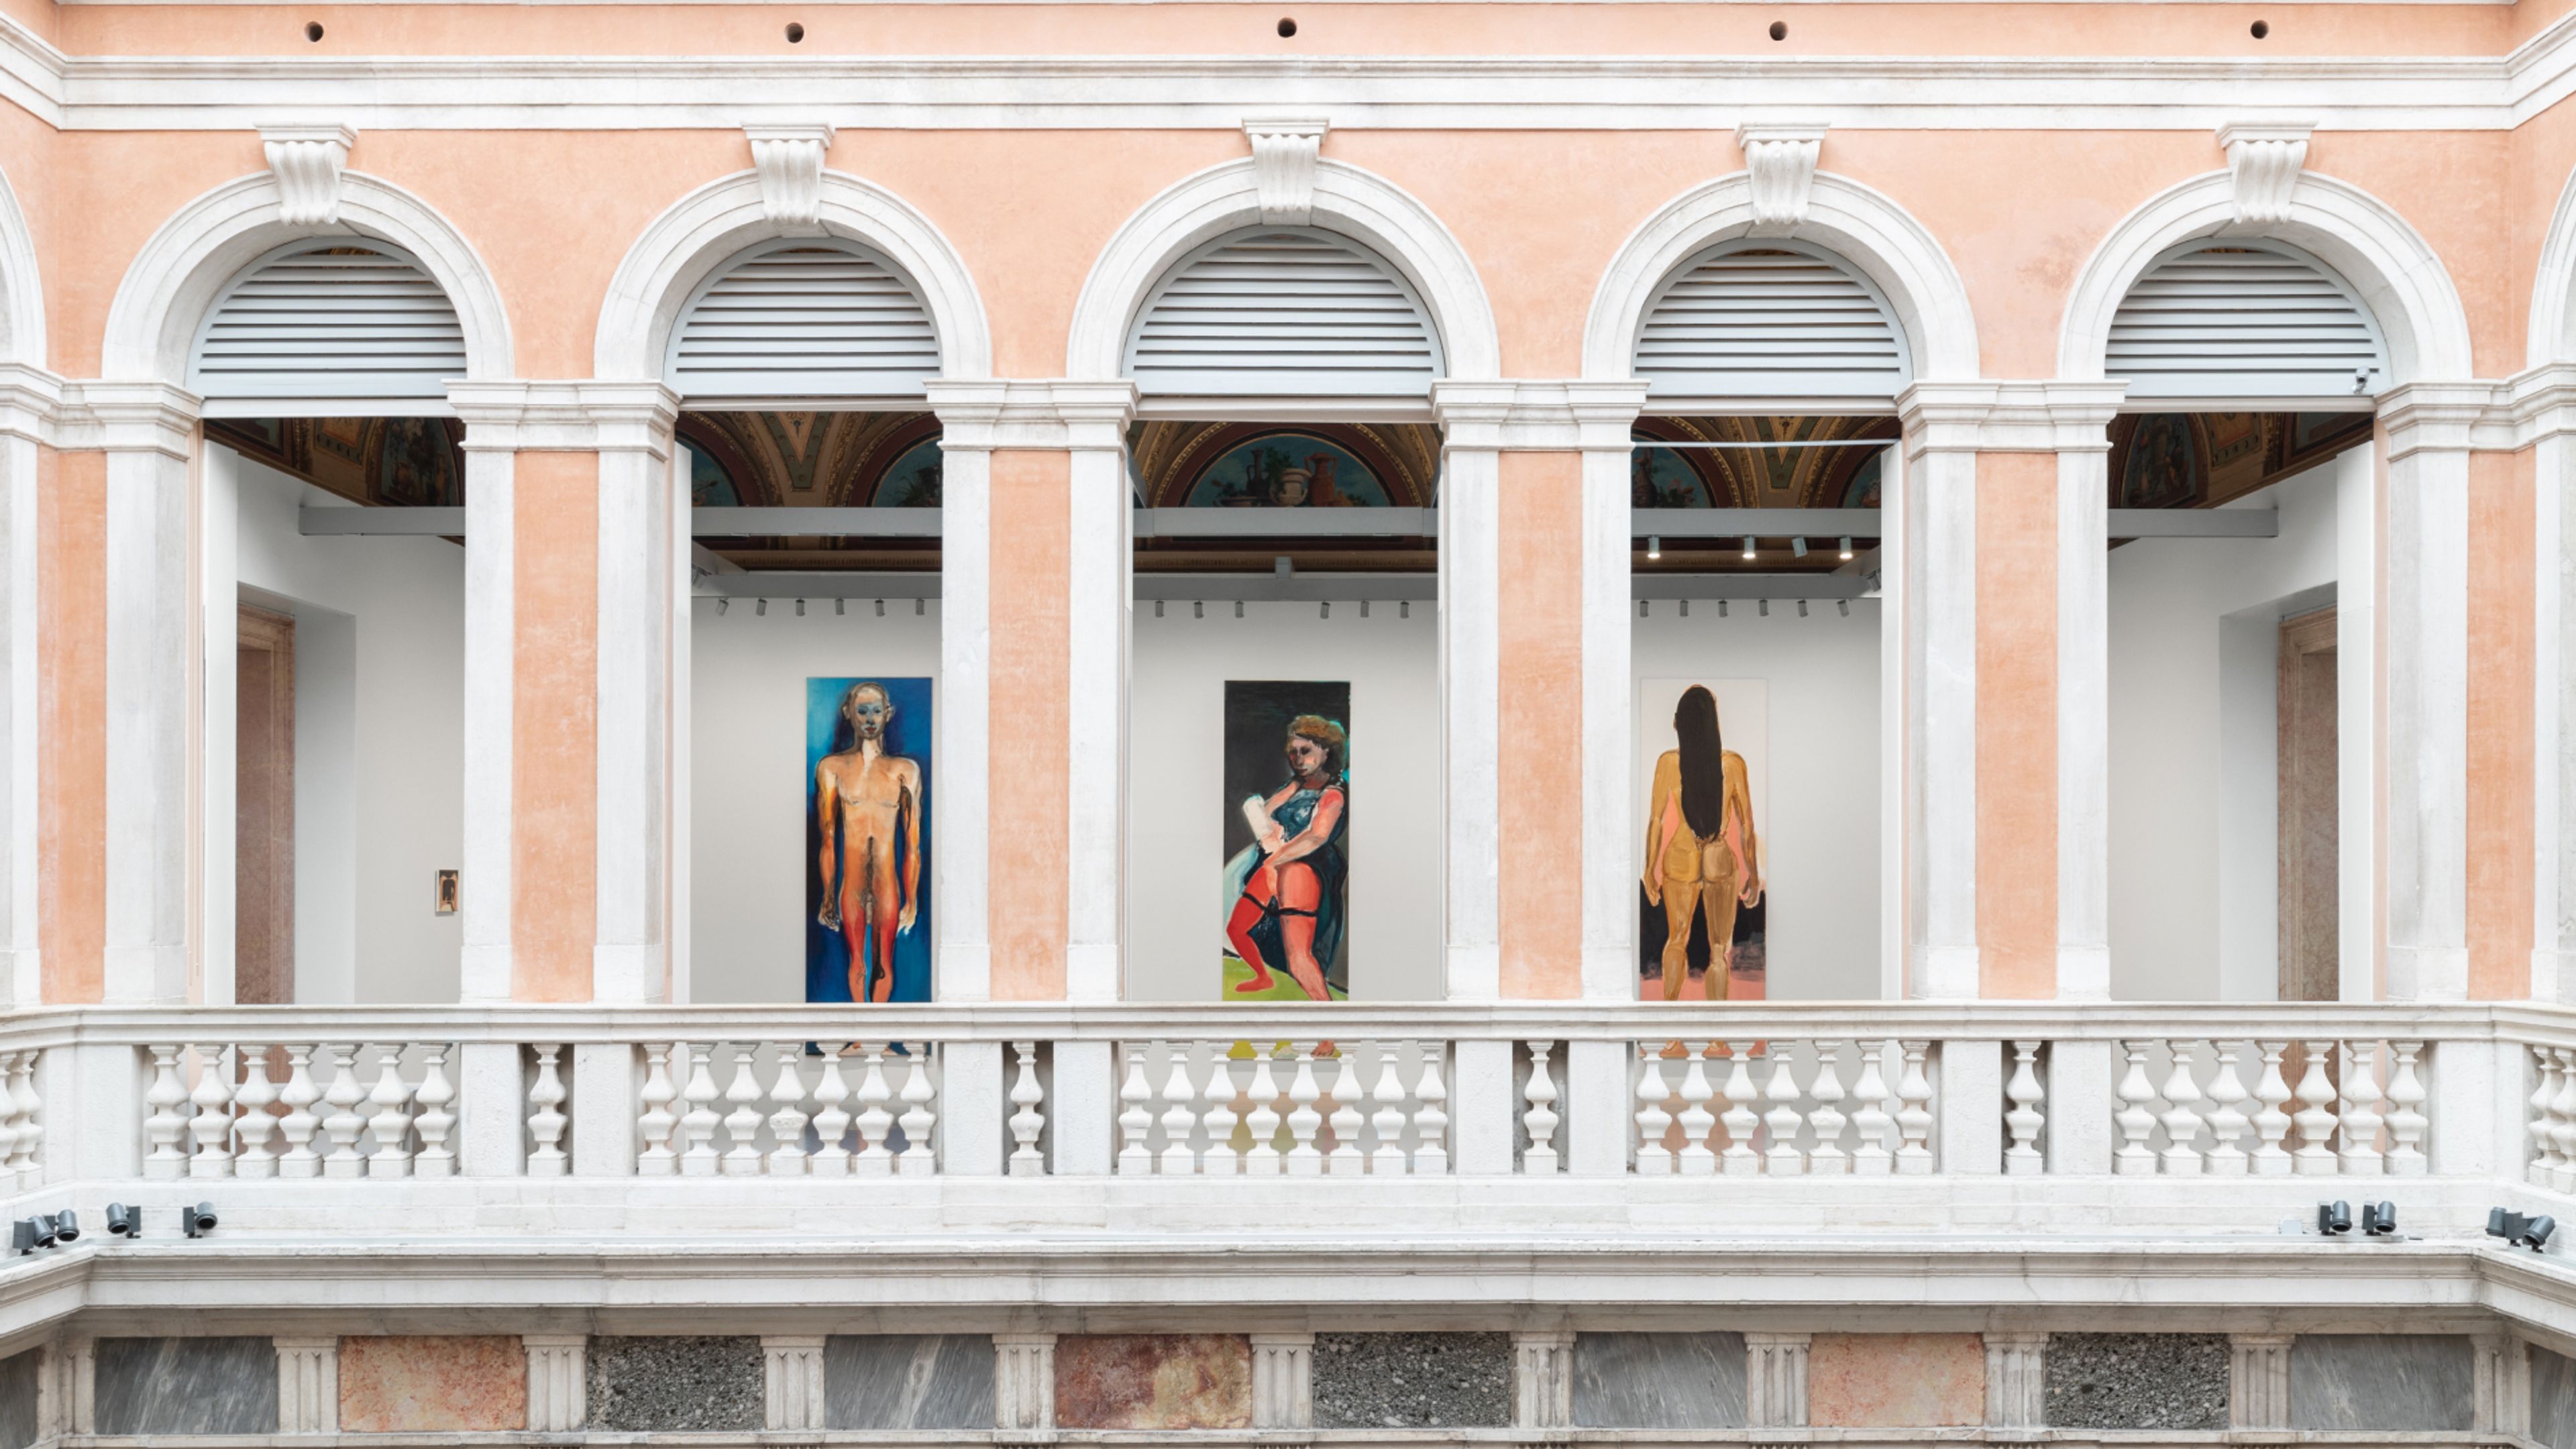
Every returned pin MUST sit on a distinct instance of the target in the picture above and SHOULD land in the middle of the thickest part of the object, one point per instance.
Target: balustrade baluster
(658, 1121)
(1431, 1114)
(27, 1154)
(1386, 1124)
(1540, 1119)
(2543, 1170)
(1027, 1122)
(1781, 1157)
(1914, 1111)
(257, 1124)
(1346, 1119)
(546, 1124)
(1134, 1121)
(698, 1124)
(787, 1117)
(2360, 1135)
(2024, 1119)
(876, 1123)
(2227, 1120)
(2564, 1129)
(1738, 1158)
(391, 1121)
(163, 1125)
(2182, 1113)
(344, 1126)
(1217, 1102)
(2136, 1119)
(9, 1115)
(212, 1126)
(920, 1154)
(1698, 1159)
(436, 1122)
(1826, 1122)
(299, 1124)
(1263, 1160)
(831, 1155)
(1303, 1120)
(2406, 1121)
(1180, 1116)
(1876, 1156)
(2271, 1124)
(1654, 1159)
(742, 1124)
(2315, 1122)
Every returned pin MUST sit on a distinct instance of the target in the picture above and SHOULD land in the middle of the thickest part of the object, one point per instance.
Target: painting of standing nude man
(1287, 829)
(867, 895)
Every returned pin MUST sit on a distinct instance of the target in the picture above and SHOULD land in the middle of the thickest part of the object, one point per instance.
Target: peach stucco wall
(1031, 720)
(71, 654)
(2502, 542)
(2016, 724)
(554, 858)
(1540, 794)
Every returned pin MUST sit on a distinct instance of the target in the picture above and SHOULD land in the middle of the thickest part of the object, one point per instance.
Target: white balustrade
(1028, 1121)
(1539, 1119)
(22, 1122)
(785, 1109)
(1773, 1121)
(220, 1110)
(2359, 1108)
(1307, 1109)
(2025, 1118)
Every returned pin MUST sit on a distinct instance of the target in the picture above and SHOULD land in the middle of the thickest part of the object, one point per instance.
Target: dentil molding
(1283, 167)
(1782, 157)
(2264, 159)
(790, 162)
(308, 162)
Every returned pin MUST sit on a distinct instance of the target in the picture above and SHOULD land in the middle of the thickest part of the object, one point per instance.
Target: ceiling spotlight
(1843, 607)
(1847, 553)
(1748, 546)
(1158, 608)
(1654, 545)
(1641, 608)
(722, 605)
(880, 608)
(840, 608)
(1324, 610)
(1762, 607)
(1797, 548)
(1364, 608)
(800, 608)
(123, 1221)
(1721, 608)
(2334, 1219)
(1685, 608)
(921, 608)
(1238, 608)
(2378, 1219)
(1404, 608)
(197, 1221)
(1198, 609)
(1802, 608)
(2520, 1231)
(760, 608)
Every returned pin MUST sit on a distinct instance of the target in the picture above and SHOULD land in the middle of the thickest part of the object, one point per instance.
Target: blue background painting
(827, 955)
(1242, 475)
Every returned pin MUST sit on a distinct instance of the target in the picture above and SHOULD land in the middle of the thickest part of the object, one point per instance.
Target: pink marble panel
(1896, 1380)
(1154, 1381)
(430, 1385)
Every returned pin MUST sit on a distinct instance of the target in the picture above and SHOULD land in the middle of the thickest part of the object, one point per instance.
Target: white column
(491, 414)
(638, 494)
(2425, 583)
(2258, 1380)
(218, 720)
(963, 967)
(1024, 1381)
(2358, 847)
(1542, 1378)
(557, 1391)
(1471, 685)
(2553, 755)
(1604, 416)
(308, 1385)
(2016, 1380)
(1099, 603)
(1938, 495)
(27, 403)
(1775, 1379)
(1283, 1380)
(793, 1378)
(150, 432)
(2082, 423)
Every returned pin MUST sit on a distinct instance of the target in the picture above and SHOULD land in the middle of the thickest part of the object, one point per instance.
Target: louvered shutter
(1284, 312)
(2244, 321)
(804, 319)
(329, 321)
(1771, 320)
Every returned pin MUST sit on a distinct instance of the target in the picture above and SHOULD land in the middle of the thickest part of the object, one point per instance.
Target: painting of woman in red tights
(1287, 886)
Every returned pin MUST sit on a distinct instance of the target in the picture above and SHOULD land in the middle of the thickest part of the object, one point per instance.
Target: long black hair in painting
(1703, 752)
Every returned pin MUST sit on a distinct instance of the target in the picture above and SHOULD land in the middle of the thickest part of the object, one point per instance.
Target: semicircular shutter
(325, 321)
(1771, 321)
(801, 320)
(2241, 321)
(1284, 312)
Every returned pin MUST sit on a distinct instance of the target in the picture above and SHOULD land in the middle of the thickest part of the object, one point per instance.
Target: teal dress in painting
(1332, 872)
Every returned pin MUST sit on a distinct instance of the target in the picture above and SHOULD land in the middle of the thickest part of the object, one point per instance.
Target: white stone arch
(1354, 203)
(1856, 223)
(2551, 337)
(22, 291)
(2362, 238)
(710, 226)
(174, 280)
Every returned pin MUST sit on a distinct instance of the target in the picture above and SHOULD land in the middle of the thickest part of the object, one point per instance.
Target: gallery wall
(379, 748)
(1819, 802)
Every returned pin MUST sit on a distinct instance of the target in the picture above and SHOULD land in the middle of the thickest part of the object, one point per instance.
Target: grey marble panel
(1659, 1380)
(1413, 1380)
(187, 1386)
(2553, 1399)
(18, 1399)
(2380, 1381)
(908, 1381)
(2137, 1380)
(675, 1384)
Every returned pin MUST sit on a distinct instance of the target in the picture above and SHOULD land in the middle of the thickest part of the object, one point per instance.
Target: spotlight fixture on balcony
(2520, 1231)
(2334, 1219)
(67, 1226)
(24, 1238)
(1847, 552)
(2378, 1219)
(123, 1221)
(197, 1221)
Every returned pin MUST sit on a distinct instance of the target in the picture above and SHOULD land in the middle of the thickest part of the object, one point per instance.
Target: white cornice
(1519, 416)
(515, 416)
(1057, 413)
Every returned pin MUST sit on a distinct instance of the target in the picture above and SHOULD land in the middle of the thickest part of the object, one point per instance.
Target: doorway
(2309, 960)
(264, 819)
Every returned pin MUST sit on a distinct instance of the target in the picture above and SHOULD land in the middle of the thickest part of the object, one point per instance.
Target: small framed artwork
(444, 894)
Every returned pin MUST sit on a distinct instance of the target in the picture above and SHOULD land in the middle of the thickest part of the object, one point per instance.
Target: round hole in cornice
(795, 33)
(313, 30)
(1779, 30)
(1287, 27)
(2262, 28)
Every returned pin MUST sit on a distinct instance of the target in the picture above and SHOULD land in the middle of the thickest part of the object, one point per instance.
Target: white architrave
(2551, 386)
(2264, 159)
(1781, 159)
(1228, 197)
(1283, 167)
(308, 162)
(29, 397)
(789, 162)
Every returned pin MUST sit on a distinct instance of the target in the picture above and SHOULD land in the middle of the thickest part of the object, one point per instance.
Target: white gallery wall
(379, 736)
(2195, 705)
(1820, 814)
(1176, 788)
(748, 778)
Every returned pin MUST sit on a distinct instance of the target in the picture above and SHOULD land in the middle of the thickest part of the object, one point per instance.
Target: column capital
(137, 417)
(2009, 417)
(1011, 413)
(2419, 417)
(1538, 416)
(31, 401)
(579, 417)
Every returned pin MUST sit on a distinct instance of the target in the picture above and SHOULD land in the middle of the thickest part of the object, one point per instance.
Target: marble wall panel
(2380, 1381)
(1896, 1380)
(1659, 1380)
(18, 1399)
(1153, 1381)
(187, 1386)
(675, 1384)
(2137, 1380)
(397, 1384)
(1420, 1380)
(2553, 1399)
(908, 1381)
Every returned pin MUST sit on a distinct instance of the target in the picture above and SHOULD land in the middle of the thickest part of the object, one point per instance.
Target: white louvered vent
(320, 321)
(1284, 312)
(1771, 320)
(802, 319)
(2244, 321)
